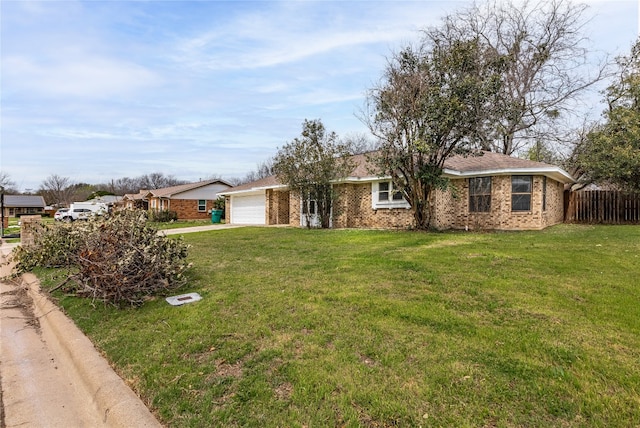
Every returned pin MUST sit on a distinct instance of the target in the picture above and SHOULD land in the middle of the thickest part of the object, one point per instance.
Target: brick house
(192, 201)
(18, 205)
(489, 192)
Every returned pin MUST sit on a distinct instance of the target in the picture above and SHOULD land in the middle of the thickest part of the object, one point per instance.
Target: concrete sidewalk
(51, 375)
(206, 228)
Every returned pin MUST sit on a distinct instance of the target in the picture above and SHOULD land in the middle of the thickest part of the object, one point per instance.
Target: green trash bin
(216, 216)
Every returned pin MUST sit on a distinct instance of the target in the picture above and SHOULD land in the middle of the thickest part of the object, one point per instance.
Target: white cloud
(86, 77)
(295, 31)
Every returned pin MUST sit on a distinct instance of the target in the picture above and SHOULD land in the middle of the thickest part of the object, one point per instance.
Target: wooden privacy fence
(603, 206)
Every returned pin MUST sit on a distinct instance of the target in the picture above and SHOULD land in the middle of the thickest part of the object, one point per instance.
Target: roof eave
(557, 174)
(254, 190)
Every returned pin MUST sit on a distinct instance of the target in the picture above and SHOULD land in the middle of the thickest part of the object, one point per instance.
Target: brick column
(28, 224)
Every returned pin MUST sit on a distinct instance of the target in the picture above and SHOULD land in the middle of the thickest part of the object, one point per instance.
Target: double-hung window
(202, 205)
(386, 193)
(480, 194)
(386, 196)
(521, 186)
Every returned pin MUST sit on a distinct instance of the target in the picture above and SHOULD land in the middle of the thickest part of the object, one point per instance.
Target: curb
(116, 402)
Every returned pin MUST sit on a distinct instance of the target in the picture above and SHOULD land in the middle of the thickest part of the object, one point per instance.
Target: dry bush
(54, 246)
(119, 259)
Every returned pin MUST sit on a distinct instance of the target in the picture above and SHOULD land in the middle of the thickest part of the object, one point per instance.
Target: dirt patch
(224, 369)
(366, 360)
(284, 391)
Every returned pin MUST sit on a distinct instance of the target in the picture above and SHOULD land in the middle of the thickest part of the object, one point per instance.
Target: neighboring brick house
(18, 205)
(135, 200)
(492, 191)
(190, 201)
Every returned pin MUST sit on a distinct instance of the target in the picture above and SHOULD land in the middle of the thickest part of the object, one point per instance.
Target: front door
(309, 215)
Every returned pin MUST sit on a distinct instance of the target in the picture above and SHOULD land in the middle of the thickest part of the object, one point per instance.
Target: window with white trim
(202, 205)
(385, 196)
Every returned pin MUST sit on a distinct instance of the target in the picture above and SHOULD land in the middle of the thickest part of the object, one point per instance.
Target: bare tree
(360, 143)
(122, 186)
(57, 190)
(158, 180)
(263, 170)
(546, 64)
(7, 184)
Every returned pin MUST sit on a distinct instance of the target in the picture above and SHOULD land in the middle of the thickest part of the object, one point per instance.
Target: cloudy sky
(99, 90)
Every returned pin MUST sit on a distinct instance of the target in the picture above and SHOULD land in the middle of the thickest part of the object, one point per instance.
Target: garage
(248, 209)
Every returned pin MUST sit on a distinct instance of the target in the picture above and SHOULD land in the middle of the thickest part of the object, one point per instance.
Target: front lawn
(372, 328)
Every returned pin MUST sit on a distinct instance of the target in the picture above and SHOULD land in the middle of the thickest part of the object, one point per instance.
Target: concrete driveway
(193, 229)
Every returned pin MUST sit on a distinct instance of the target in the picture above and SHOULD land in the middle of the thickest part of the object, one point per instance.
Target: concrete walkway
(206, 228)
(50, 373)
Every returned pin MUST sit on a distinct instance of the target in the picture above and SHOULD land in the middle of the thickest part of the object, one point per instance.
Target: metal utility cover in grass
(183, 298)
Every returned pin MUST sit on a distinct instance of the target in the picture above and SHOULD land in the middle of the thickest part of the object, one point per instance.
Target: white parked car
(81, 212)
(60, 214)
(78, 214)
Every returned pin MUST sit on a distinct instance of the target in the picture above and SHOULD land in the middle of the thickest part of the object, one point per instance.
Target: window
(385, 189)
(385, 196)
(202, 205)
(521, 193)
(480, 194)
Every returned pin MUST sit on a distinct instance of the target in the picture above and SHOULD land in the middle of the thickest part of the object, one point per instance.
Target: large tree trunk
(422, 211)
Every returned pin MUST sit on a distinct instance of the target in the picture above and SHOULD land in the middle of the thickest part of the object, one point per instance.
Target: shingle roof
(487, 163)
(167, 192)
(490, 161)
(135, 196)
(266, 182)
(24, 201)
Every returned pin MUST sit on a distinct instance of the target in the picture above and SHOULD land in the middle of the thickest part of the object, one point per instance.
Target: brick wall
(353, 208)
(28, 225)
(359, 212)
(277, 206)
(294, 209)
(555, 203)
(187, 209)
(453, 207)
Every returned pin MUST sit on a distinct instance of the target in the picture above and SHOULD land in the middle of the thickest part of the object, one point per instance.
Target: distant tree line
(60, 190)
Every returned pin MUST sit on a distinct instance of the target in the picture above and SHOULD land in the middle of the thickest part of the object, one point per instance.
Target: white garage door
(248, 209)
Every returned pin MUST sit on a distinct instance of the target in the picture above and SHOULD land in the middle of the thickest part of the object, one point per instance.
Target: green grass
(373, 328)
